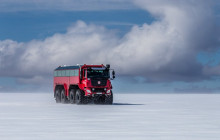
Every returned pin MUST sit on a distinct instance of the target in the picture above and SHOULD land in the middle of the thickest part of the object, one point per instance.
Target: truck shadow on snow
(126, 104)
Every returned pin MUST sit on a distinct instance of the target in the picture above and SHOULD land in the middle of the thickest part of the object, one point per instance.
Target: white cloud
(167, 48)
(80, 44)
(162, 51)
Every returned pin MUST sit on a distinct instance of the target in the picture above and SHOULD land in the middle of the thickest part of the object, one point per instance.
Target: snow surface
(132, 117)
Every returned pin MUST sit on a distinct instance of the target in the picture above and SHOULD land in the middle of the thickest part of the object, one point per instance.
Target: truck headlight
(89, 91)
(108, 91)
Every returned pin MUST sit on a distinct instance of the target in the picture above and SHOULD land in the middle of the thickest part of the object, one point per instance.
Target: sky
(160, 46)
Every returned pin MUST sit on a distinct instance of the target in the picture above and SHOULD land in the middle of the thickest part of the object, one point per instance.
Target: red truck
(83, 84)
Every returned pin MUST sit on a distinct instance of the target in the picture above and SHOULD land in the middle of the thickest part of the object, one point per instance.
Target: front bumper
(97, 91)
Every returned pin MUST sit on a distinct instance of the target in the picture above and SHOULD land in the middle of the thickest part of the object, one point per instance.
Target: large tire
(57, 95)
(80, 97)
(109, 99)
(64, 99)
(72, 96)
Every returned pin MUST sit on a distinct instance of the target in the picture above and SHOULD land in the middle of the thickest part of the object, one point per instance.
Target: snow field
(31, 116)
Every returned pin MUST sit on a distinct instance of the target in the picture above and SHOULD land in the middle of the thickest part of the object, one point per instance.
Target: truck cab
(96, 80)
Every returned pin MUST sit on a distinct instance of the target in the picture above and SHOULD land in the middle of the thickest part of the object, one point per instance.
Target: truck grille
(98, 82)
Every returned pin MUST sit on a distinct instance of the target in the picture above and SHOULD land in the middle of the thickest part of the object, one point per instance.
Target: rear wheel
(57, 95)
(72, 96)
(63, 97)
(80, 97)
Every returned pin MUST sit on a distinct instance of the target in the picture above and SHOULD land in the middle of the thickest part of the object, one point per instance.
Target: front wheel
(109, 99)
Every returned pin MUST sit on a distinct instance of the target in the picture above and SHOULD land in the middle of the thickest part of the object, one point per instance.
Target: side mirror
(113, 74)
(108, 66)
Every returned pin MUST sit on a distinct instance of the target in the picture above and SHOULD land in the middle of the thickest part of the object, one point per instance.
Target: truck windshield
(97, 73)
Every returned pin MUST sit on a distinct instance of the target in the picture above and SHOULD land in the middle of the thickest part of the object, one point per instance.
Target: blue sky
(28, 25)
(155, 47)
